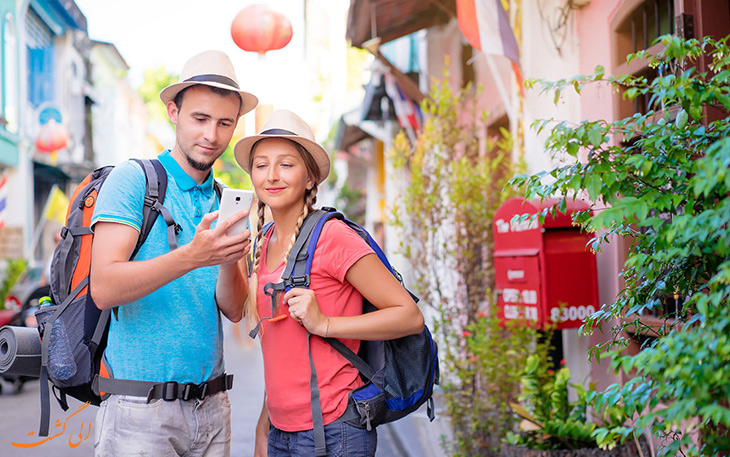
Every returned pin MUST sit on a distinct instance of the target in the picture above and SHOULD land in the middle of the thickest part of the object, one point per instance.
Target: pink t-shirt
(284, 342)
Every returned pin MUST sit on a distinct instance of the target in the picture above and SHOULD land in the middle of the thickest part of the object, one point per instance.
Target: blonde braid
(251, 305)
(311, 198)
(307, 208)
(300, 221)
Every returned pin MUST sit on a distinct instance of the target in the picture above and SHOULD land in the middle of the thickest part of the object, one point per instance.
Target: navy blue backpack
(399, 374)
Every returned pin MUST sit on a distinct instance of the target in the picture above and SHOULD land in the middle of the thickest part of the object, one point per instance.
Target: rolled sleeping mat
(20, 351)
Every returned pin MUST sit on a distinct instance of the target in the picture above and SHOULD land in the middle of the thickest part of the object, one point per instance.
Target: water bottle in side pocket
(61, 362)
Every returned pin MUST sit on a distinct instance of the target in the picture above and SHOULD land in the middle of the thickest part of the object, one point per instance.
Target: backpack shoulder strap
(155, 191)
(156, 188)
(218, 188)
(299, 264)
(356, 361)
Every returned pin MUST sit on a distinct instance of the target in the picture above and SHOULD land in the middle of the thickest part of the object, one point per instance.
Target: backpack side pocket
(369, 401)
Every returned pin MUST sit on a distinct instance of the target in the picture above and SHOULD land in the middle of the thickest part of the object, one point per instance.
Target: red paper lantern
(52, 137)
(257, 28)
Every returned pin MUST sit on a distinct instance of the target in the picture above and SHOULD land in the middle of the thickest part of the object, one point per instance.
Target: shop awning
(49, 173)
(349, 131)
(391, 19)
(61, 173)
(60, 15)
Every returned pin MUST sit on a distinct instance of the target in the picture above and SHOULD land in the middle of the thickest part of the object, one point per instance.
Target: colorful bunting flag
(485, 25)
(407, 112)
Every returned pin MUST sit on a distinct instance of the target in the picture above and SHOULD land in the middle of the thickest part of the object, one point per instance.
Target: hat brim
(248, 100)
(242, 152)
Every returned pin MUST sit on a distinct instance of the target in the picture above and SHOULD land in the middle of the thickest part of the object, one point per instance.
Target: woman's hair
(310, 198)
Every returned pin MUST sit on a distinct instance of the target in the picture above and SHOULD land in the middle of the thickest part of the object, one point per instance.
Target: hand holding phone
(233, 201)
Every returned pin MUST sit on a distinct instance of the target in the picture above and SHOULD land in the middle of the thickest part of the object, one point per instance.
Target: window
(467, 67)
(636, 32)
(10, 91)
(647, 22)
(40, 59)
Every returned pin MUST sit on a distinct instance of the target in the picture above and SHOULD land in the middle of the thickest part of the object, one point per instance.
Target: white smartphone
(233, 201)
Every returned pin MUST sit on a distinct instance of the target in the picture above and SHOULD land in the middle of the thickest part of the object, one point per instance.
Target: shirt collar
(183, 180)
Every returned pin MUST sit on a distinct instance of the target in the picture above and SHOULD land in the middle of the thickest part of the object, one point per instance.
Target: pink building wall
(597, 102)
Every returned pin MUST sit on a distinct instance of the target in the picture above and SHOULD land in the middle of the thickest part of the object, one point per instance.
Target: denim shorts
(343, 440)
(129, 426)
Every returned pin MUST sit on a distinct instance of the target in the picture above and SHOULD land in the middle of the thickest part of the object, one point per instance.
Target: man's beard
(200, 166)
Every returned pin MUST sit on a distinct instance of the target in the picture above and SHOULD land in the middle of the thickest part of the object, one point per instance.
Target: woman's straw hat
(210, 68)
(284, 124)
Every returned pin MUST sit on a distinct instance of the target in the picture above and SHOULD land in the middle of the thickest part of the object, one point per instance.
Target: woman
(286, 166)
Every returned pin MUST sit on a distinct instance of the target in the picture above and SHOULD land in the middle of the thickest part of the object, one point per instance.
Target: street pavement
(72, 432)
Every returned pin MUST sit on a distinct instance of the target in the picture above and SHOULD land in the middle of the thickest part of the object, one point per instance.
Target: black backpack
(399, 374)
(73, 330)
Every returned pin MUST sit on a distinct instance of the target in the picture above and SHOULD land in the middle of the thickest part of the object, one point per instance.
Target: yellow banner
(57, 206)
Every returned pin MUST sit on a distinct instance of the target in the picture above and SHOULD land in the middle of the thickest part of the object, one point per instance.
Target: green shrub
(452, 188)
(662, 180)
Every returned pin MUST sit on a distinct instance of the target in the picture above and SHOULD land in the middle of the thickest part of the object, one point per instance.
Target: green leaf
(524, 413)
(557, 96)
(576, 86)
(646, 167)
(593, 184)
(599, 72)
(682, 118)
(595, 136)
(572, 148)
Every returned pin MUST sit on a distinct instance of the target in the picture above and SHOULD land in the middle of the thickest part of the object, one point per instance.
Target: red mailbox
(545, 273)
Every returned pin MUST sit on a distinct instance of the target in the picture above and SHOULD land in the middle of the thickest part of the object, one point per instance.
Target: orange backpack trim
(83, 266)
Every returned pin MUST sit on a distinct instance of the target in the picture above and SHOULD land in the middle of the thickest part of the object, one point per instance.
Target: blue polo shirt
(175, 333)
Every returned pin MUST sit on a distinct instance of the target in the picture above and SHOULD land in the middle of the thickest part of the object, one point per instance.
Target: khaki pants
(128, 426)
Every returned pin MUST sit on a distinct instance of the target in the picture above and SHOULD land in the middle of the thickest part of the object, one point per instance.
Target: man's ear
(172, 111)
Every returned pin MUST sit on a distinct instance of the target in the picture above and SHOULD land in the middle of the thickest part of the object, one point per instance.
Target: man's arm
(231, 288)
(117, 281)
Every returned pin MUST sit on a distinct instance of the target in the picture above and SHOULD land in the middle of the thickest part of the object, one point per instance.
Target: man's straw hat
(210, 68)
(284, 124)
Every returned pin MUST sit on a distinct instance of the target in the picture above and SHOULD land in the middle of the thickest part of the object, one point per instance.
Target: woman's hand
(304, 309)
(261, 444)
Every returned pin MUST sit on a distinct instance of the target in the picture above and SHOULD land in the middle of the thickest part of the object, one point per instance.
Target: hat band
(214, 79)
(277, 132)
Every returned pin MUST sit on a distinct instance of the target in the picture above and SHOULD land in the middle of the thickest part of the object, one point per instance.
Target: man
(165, 347)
